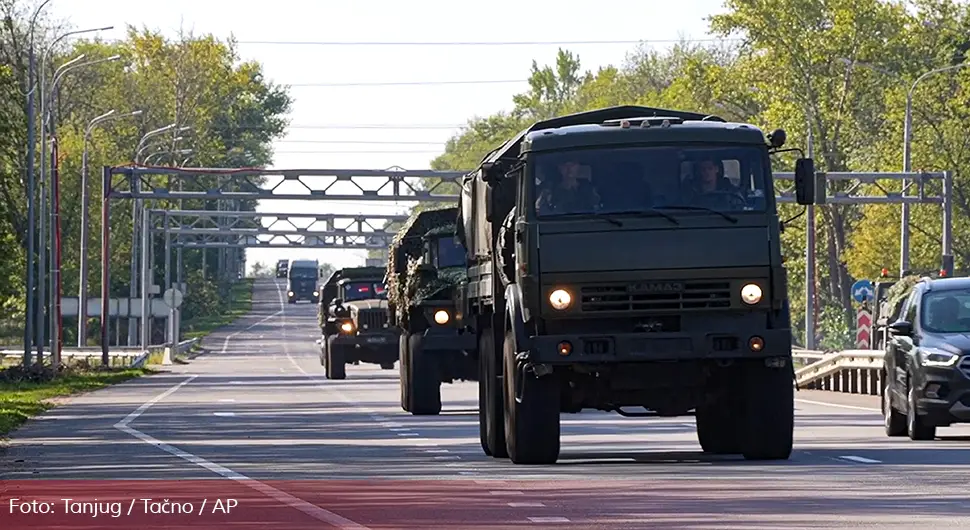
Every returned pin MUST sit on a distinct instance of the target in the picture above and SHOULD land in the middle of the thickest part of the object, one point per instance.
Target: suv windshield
(631, 179)
(364, 291)
(450, 253)
(946, 311)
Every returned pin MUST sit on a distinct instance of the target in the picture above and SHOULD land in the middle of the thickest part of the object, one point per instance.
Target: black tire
(402, 370)
(491, 423)
(769, 411)
(916, 426)
(717, 429)
(425, 391)
(893, 421)
(532, 417)
(387, 366)
(336, 368)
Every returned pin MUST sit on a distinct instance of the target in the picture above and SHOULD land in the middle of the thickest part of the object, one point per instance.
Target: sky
(333, 127)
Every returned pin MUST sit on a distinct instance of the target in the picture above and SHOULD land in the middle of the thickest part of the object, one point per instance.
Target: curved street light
(82, 335)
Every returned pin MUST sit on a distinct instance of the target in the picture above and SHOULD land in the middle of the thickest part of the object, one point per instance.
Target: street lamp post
(55, 276)
(29, 324)
(82, 293)
(135, 215)
(907, 139)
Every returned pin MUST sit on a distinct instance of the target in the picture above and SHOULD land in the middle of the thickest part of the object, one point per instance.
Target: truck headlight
(560, 299)
(315, 293)
(290, 293)
(441, 317)
(347, 327)
(935, 357)
(751, 294)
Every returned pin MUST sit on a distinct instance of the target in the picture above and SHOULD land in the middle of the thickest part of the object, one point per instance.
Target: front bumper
(645, 347)
(376, 347)
(449, 340)
(944, 395)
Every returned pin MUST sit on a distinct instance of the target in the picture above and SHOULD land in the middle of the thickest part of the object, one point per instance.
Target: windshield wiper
(651, 212)
(730, 218)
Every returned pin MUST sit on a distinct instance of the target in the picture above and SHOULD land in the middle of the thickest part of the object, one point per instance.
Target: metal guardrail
(849, 371)
(127, 357)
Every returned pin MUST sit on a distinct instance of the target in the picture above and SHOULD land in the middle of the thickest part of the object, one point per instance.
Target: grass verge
(27, 393)
(240, 303)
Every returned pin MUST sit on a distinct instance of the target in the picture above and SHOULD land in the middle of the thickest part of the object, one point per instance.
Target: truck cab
(630, 258)
(281, 267)
(425, 269)
(302, 281)
(352, 314)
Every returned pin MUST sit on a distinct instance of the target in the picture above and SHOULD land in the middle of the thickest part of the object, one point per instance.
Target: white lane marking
(549, 519)
(228, 400)
(860, 459)
(526, 505)
(836, 405)
(400, 429)
(224, 414)
(436, 451)
(407, 434)
(225, 343)
(310, 509)
(507, 492)
(448, 457)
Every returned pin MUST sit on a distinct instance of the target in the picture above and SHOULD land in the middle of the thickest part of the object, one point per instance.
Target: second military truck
(302, 277)
(424, 270)
(353, 319)
(630, 257)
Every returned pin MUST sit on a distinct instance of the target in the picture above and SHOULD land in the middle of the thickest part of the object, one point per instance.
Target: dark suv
(927, 363)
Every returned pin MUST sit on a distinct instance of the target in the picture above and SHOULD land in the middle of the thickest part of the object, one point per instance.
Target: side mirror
(901, 328)
(805, 181)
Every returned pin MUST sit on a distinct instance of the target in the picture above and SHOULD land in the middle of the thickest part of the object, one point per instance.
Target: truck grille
(651, 296)
(371, 319)
(965, 365)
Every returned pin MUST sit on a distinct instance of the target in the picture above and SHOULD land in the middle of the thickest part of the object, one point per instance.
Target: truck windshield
(364, 291)
(631, 179)
(450, 253)
(946, 312)
(303, 274)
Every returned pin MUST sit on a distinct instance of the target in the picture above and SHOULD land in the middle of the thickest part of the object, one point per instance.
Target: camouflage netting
(411, 286)
(900, 290)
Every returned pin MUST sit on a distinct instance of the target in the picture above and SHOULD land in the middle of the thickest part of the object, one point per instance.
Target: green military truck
(424, 270)
(352, 315)
(630, 257)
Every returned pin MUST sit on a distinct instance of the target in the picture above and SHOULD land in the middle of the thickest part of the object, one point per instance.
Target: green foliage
(233, 114)
(839, 68)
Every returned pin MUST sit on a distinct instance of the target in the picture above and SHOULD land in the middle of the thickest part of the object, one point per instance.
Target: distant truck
(281, 267)
(425, 268)
(302, 279)
(631, 257)
(352, 315)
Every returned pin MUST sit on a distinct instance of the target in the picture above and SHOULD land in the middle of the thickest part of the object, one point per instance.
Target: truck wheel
(894, 422)
(335, 363)
(916, 427)
(769, 411)
(402, 369)
(387, 366)
(717, 429)
(532, 415)
(425, 391)
(491, 423)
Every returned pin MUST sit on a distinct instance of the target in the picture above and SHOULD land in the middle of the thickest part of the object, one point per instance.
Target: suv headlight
(935, 357)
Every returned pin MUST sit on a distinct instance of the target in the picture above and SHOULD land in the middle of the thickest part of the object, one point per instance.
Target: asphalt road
(256, 409)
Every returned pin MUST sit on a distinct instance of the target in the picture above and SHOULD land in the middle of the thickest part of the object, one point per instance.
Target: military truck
(352, 315)
(302, 277)
(424, 269)
(630, 257)
(281, 268)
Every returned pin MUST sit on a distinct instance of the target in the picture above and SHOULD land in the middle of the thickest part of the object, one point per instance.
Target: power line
(386, 142)
(406, 83)
(399, 152)
(388, 126)
(481, 43)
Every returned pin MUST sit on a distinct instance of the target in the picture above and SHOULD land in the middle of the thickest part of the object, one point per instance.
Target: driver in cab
(569, 190)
